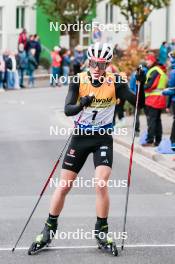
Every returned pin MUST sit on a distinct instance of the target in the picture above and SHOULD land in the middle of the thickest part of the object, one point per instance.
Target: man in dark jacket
(37, 47)
(22, 64)
(32, 65)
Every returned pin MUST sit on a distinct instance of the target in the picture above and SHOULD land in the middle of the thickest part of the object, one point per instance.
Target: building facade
(15, 15)
(18, 14)
(158, 28)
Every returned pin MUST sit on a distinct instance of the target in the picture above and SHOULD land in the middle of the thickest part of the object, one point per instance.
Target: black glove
(86, 100)
(140, 75)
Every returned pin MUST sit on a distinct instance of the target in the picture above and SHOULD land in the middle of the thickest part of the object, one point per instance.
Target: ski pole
(46, 184)
(130, 165)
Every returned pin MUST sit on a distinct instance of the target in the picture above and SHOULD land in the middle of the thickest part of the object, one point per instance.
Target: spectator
(12, 74)
(22, 64)
(31, 44)
(172, 45)
(22, 39)
(119, 110)
(16, 72)
(118, 53)
(2, 70)
(85, 66)
(119, 107)
(66, 65)
(37, 47)
(163, 53)
(32, 65)
(56, 65)
(156, 81)
(5, 58)
(78, 59)
(96, 34)
(171, 93)
(133, 88)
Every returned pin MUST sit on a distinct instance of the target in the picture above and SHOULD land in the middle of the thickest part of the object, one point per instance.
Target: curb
(159, 158)
(39, 77)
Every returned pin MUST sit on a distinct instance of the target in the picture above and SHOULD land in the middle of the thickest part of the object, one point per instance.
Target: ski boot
(43, 239)
(103, 241)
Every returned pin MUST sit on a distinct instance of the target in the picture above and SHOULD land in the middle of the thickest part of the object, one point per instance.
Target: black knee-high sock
(101, 224)
(52, 219)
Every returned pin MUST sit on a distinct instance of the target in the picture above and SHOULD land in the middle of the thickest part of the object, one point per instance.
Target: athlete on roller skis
(92, 101)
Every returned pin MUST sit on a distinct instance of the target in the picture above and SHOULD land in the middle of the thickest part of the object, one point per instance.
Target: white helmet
(100, 52)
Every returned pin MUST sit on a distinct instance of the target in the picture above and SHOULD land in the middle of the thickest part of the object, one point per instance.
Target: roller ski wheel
(114, 249)
(42, 240)
(108, 246)
(36, 248)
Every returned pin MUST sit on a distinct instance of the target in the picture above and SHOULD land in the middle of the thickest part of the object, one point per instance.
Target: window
(109, 13)
(20, 17)
(107, 5)
(0, 18)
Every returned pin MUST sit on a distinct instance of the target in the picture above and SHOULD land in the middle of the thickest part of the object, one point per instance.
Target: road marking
(151, 245)
(50, 248)
(88, 247)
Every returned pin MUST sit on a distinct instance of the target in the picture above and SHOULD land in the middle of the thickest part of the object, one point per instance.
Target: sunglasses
(100, 65)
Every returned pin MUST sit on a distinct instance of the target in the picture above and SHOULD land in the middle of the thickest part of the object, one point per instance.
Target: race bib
(95, 117)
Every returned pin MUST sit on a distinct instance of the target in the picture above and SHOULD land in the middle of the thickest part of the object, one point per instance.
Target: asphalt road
(27, 154)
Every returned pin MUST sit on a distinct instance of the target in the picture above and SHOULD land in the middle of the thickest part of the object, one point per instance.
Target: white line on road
(87, 247)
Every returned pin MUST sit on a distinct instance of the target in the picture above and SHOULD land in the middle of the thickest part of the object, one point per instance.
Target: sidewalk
(149, 152)
(42, 77)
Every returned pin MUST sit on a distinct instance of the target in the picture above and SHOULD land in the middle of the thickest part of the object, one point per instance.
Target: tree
(137, 12)
(69, 12)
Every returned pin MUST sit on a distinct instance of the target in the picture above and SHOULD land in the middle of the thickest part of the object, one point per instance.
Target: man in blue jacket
(171, 93)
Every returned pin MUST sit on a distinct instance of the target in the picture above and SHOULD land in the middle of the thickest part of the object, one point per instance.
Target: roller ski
(43, 239)
(104, 243)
